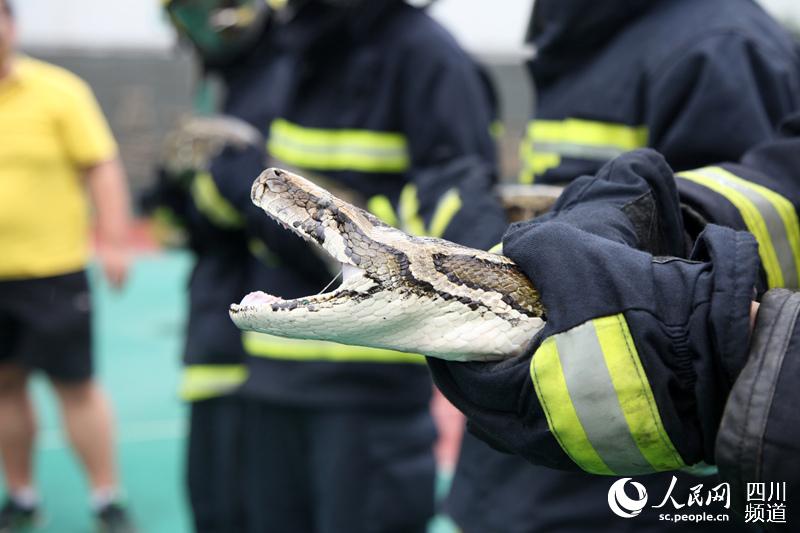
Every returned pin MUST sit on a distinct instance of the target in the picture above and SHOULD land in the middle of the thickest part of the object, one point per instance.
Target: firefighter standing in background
(232, 40)
(699, 80)
(374, 98)
(383, 103)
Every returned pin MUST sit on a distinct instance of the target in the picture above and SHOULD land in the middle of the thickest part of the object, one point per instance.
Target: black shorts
(45, 324)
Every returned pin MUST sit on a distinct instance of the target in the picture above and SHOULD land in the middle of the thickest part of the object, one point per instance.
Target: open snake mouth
(314, 214)
(351, 276)
(400, 292)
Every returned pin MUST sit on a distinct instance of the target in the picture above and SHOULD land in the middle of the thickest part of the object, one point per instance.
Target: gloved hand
(184, 198)
(633, 200)
(191, 146)
(632, 370)
(206, 172)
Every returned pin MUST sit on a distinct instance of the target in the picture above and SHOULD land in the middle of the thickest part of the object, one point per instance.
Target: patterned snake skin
(412, 294)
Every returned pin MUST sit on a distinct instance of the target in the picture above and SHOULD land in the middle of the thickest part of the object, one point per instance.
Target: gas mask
(220, 29)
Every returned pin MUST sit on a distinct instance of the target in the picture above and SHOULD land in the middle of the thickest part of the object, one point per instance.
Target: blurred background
(128, 52)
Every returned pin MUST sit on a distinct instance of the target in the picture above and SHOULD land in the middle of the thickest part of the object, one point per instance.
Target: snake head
(319, 217)
(398, 291)
(354, 238)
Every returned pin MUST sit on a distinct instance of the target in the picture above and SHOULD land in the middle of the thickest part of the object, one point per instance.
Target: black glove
(632, 200)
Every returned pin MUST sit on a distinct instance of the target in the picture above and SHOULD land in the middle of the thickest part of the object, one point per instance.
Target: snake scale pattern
(399, 292)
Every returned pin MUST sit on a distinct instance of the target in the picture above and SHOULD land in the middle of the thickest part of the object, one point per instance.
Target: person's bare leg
(17, 428)
(88, 421)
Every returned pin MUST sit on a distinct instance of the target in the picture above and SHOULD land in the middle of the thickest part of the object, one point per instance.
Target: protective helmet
(220, 29)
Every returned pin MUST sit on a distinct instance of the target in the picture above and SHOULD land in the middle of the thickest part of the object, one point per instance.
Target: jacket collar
(320, 26)
(567, 32)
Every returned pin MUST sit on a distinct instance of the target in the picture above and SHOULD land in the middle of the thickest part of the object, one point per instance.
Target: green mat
(138, 337)
(138, 340)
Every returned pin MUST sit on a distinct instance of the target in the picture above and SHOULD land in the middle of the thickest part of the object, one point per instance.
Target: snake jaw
(320, 218)
(413, 294)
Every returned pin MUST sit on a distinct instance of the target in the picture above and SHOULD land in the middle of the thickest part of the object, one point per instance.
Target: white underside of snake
(406, 293)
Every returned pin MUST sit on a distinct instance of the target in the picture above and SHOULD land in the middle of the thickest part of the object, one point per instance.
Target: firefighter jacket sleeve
(759, 437)
(761, 194)
(631, 372)
(447, 119)
(718, 99)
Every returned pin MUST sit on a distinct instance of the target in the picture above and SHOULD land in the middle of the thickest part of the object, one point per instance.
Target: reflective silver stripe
(598, 401)
(775, 227)
(595, 400)
(578, 151)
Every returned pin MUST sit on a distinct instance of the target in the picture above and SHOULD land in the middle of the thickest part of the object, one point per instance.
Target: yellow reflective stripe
(497, 129)
(410, 221)
(338, 149)
(547, 142)
(448, 206)
(562, 418)
(588, 133)
(497, 249)
(167, 227)
(752, 219)
(534, 163)
(260, 251)
(380, 206)
(200, 382)
(211, 203)
(166, 216)
(598, 401)
(537, 164)
(273, 347)
(783, 207)
(634, 393)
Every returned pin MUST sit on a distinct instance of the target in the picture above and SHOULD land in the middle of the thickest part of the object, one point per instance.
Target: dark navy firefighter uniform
(212, 355)
(378, 100)
(699, 80)
(716, 393)
(222, 239)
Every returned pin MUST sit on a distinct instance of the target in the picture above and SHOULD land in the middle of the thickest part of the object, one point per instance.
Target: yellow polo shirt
(51, 130)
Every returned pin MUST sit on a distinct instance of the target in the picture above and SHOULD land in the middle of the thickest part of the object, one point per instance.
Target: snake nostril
(278, 172)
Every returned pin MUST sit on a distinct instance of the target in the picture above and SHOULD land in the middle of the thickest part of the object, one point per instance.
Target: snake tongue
(259, 298)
